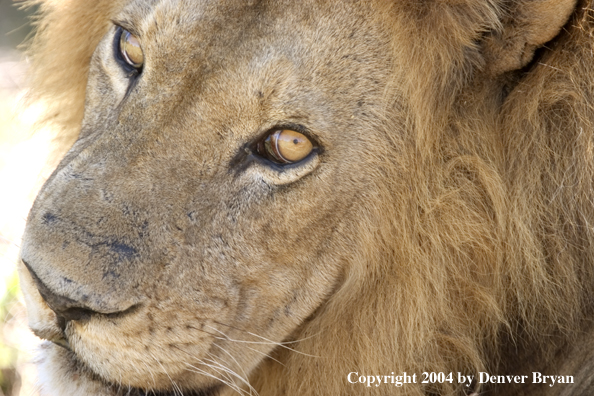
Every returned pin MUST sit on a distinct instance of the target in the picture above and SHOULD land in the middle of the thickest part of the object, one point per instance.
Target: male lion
(282, 197)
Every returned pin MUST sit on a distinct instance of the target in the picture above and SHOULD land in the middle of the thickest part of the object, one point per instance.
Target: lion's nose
(65, 308)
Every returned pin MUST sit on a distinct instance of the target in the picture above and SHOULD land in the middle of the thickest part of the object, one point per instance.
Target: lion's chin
(62, 373)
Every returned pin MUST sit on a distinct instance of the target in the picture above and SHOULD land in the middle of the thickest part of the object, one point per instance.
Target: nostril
(75, 313)
(68, 309)
(65, 308)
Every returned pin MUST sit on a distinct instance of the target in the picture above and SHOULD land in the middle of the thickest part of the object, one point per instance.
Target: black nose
(65, 308)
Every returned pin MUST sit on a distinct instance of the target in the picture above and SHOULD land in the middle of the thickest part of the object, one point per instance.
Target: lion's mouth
(124, 390)
(62, 342)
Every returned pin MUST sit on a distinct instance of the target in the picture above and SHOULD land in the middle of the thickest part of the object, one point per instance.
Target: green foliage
(8, 354)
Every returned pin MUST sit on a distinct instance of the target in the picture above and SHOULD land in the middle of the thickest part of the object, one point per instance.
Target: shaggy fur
(444, 226)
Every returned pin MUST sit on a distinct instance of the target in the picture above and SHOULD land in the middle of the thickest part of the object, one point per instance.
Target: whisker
(176, 388)
(225, 369)
(268, 342)
(282, 345)
(243, 378)
(266, 355)
(9, 241)
(120, 381)
(248, 332)
(207, 374)
(229, 374)
(202, 330)
(276, 343)
(201, 362)
(152, 376)
(235, 360)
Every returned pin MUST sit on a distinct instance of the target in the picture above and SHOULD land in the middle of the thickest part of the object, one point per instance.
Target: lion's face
(173, 247)
(279, 193)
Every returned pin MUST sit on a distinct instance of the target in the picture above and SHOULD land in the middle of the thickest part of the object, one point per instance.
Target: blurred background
(23, 153)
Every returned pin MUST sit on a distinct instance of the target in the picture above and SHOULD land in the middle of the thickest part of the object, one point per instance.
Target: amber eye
(131, 50)
(285, 146)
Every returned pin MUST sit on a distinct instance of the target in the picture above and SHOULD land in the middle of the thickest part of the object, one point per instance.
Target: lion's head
(265, 196)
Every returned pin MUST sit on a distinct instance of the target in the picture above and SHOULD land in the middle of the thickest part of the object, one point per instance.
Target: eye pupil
(285, 146)
(131, 50)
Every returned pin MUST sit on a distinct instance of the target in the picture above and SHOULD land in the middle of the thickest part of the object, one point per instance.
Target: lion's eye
(131, 50)
(285, 146)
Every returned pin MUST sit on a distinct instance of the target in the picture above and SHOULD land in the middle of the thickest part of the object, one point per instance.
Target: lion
(314, 198)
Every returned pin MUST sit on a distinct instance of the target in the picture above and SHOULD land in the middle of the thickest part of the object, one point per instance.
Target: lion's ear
(526, 26)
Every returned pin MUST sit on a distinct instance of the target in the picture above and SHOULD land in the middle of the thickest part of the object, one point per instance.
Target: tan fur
(445, 227)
